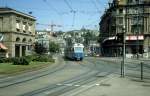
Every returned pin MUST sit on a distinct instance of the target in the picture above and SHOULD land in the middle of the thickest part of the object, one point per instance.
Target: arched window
(24, 40)
(30, 40)
(17, 39)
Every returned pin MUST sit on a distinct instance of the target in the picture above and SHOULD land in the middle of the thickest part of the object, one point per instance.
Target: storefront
(134, 46)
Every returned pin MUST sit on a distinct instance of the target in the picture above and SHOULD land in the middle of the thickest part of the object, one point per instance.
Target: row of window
(23, 40)
(134, 20)
(136, 1)
(23, 26)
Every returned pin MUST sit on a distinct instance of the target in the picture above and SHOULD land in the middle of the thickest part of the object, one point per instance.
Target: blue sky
(70, 14)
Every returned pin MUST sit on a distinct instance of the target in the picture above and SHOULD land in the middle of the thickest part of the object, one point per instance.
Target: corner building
(131, 17)
(18, 30)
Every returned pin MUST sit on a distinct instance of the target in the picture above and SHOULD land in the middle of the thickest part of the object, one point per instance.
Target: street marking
(9, 77)
(68, 84)
(79, 85)
(59, 84)
(47, 92)
(97, 84)
(76, 85)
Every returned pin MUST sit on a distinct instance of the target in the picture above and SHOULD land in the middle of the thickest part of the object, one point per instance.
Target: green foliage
(39, 48)
(43, 58)
(1, 60)
(6, 60)
(53, 47)
(31, 57)
(89, 36)
(20, 61)
(27, 59)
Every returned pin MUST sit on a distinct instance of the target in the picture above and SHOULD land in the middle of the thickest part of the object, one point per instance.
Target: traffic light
(120, 37)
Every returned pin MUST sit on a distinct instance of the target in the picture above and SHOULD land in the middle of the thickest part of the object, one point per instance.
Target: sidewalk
(118, 86)
(120, 58)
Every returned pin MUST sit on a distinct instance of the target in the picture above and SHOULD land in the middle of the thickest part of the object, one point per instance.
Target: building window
(120, 21)
(25, 27)
(17, 39)
(29, 47)
(130, 1)
(120, 29)
(137, 29)
(30, 28)
(133, 1)
(120, 11)
(17, 25)
(30, 41)
(24, 40)
(136, 20)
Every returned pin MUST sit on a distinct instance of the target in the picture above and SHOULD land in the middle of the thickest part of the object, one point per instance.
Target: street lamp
(124, 53)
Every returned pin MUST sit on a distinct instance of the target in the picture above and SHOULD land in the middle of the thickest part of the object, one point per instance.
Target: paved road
(53, 80)
(68, 78)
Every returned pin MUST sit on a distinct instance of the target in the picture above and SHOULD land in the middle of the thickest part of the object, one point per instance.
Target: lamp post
(124, 43)
(138, 28)
(124, 53)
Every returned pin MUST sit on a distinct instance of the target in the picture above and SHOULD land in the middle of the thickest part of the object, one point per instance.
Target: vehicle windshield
(78, 49)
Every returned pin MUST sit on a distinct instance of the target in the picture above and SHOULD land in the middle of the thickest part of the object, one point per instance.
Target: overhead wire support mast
(72, 11)
(68, 5)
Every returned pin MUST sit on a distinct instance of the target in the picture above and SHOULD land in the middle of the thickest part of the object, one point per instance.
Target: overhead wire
(50, 5)
(93, 2)
(54, 9)
(67, 3)
(72, 11)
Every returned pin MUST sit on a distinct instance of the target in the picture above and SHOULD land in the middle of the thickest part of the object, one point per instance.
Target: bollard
(122, 69)
(142, 70)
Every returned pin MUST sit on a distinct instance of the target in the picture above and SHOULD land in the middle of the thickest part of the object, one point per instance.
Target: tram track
(15, 81)
(56, 90)
(79, 78)
(18, 80)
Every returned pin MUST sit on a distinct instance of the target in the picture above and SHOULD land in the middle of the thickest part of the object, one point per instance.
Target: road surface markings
(78, 85)
(47, 92)
(97, 84)
(68, 84)
(59, 84)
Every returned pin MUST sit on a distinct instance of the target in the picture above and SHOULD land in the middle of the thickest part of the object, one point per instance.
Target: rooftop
(10, 10)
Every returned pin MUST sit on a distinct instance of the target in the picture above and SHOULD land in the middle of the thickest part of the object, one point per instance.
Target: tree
(53, 47)
(39, 48)
(89, 36)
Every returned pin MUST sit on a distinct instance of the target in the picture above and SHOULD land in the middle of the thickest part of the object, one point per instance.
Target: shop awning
(129, 38)
(109, 38)
(2, 46)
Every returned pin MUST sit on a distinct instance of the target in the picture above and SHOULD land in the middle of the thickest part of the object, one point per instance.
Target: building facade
(18, 30)
(131, 17)
(46, 37)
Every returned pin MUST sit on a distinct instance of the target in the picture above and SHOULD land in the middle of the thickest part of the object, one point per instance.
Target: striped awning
(2, 46)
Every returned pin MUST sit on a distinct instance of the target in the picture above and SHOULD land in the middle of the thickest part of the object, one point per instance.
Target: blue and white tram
(75, 52)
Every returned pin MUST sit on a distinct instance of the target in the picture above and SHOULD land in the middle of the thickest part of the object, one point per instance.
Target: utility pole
(74, 13)
(138, 27)
(124, 30)
(124, 52)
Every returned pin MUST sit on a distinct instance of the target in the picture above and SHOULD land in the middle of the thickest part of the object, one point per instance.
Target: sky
(66, 14)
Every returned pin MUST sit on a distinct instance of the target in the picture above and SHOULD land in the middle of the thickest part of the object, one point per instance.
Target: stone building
(18, 30)
(131, 17)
